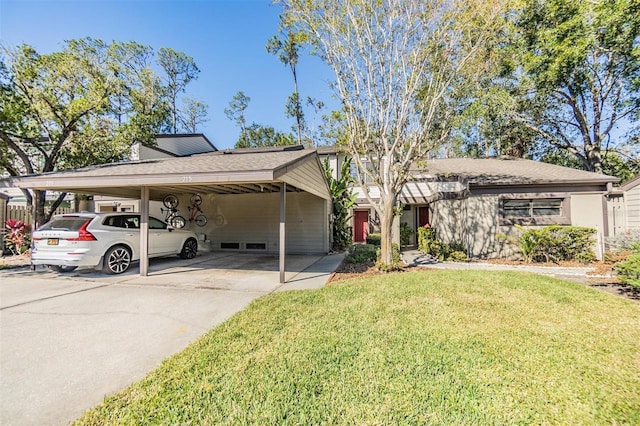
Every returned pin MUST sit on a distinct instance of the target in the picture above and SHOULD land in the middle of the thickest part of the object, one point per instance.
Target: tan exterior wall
(255, 218)
(632, 203)
(474, 223)
(586, 210)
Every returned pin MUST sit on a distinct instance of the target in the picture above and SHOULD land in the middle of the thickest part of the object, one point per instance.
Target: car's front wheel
(60, 268)
(189, 249)
(116, 260)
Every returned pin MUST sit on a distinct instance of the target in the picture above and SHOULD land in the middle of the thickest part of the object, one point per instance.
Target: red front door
(361, 226)
(423, 216)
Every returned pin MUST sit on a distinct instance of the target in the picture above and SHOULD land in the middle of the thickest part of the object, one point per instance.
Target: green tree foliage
(256, 135)
(236, 109)
(286, 46)
(194, 113)
(565, 77)
(179, 70)
(399, 65)
(613, 164)
(86, 104)
(343, 199)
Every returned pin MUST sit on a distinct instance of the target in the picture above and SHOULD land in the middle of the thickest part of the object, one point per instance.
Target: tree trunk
(386, 229)
(594, 158)
(39, 198)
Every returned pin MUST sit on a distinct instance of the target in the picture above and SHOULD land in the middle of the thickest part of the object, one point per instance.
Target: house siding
(616, 216)
(632, 203)
(255, 218)
(306, 176)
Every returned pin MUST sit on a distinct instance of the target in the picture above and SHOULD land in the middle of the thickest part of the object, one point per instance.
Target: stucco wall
(474, 223)
(255, 218)
(587, 210)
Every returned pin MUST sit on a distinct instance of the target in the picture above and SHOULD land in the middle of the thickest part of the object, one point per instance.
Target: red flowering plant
(17, 236)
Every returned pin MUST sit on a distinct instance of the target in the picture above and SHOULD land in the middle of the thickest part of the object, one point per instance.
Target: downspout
(466, 221)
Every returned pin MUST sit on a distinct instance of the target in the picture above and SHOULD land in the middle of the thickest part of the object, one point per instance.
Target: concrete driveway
(68, 340)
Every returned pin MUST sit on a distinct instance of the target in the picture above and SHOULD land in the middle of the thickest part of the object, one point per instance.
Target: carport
(283, 170)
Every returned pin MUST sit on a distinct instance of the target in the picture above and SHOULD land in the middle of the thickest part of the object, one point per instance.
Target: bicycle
(195, 211)
(171, 216)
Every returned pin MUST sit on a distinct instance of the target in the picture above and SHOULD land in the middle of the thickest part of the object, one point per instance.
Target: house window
(540, 211)
(353, 171)
(532, 208)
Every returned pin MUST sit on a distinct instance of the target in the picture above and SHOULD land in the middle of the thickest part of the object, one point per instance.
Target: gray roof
(508, 171)
(327, 149)
(184, 144)
(230, 172)
(200, 163)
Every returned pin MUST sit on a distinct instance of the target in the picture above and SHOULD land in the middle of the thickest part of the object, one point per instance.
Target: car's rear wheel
(117, 260)
(60, 268)
(189, 249)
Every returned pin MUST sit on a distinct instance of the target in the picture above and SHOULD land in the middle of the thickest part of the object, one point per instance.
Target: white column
(144, 231)
(283, 217)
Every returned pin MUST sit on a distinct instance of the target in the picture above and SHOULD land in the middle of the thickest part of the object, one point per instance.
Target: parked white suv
(107, 240)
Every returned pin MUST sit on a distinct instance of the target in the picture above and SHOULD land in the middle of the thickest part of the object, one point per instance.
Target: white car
(107, 240)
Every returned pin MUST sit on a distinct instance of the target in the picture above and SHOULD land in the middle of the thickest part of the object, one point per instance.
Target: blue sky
(226, 38)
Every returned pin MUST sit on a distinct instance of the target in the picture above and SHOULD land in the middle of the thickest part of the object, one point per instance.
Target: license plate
(52, 241)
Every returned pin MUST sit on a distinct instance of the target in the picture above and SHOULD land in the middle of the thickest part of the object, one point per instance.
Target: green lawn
(429, 347)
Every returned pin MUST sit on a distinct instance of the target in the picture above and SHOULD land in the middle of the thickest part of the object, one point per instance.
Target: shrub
(628, 271)
(17, 236)
(428, 243)
(557, 243)
(343, 199)
(374, 239)
(426, 235)
(362, 253)
(458, 256)
(396, 262)
(405, 234)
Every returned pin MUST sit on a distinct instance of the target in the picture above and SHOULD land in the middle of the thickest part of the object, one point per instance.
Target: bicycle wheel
(178, 222)
(196, 200)
(201, 220)
(171, 201)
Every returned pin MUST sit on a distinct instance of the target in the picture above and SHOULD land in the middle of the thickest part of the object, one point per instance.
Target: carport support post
(144, 231)
(283, 217)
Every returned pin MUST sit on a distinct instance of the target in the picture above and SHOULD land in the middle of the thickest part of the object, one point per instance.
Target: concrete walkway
(416, 258)
(68, 340)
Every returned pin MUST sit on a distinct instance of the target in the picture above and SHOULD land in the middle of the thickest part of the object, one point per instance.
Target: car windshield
(65, 223)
